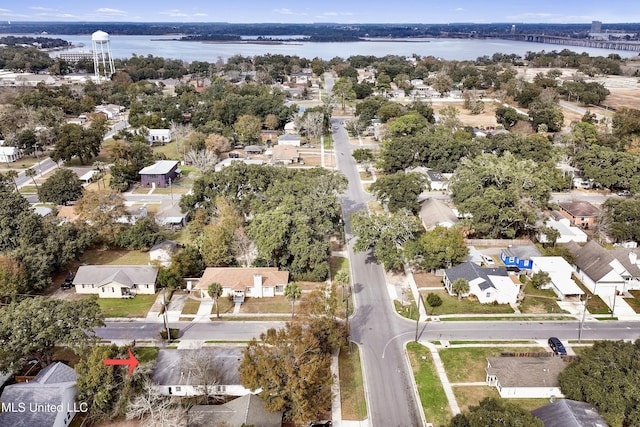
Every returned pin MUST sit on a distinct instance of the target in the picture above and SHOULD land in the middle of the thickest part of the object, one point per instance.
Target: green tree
(399, 191)
(508, 116)
(102, 209)
(502, 194)
(441, 247)
(106, 389)
(408, 124)
(606, 377)
(540, 279)
(291, 366)
(13, 279)
(492, 412)
(385, 234)
(31, 328)
(75, 141)
(460, 286)
(60, 188)
(343, 90)
(293, 292)
(142, 235)
(248, 128)
(215, 292)
(31, 173)
(433, 300)
(12, 174)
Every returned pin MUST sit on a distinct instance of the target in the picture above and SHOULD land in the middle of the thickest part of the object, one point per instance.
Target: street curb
(413, 382)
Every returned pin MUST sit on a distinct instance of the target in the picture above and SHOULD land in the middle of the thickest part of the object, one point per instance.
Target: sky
(338, 11)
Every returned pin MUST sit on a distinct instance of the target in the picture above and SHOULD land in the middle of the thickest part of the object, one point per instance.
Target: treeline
(274, 29)
(42, 42)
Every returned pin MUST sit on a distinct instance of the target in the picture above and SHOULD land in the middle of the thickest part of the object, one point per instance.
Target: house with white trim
(116, 281)
(568, 232)
(240, 282)
(525, 377)
(488, 285)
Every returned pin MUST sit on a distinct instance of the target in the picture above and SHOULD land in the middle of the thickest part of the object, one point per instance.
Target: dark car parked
(68, 281)
(557, 346)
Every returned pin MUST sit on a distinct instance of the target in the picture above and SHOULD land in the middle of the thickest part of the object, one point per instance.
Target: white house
(162, 253)
(438, 181)
(32, 401)
(525, 377)
(10, 154)
(568, 232)
(255, 282)
(488, 285)
(159, 136)
(116, 281)
(206, 371)
(606, 271)
(560, 272)
(435, 212)
(292, 139)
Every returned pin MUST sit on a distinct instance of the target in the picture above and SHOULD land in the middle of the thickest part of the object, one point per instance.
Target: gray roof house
(434, 212)
(569, 413)
(525, 377)
(207, 371)
(29, 404)
(245, 410)
(488, 285)
(115, 281)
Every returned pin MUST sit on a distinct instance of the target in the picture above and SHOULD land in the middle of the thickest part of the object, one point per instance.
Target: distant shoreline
(297, 42)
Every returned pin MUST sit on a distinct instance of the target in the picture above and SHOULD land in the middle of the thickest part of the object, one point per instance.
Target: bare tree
(156, 410)
(313, 124)
(205, 374)
(243, 247)
(203, 160)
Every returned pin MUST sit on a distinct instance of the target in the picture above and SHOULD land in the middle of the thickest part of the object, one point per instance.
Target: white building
(115, 281)
(568, 232)
(10, 154)
(159, 136)
(560, 272)
(292, 139)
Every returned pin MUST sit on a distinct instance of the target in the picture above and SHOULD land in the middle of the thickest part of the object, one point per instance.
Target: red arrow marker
(131, 361)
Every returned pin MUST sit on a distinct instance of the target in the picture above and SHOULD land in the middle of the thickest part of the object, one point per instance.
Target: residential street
(390, 397)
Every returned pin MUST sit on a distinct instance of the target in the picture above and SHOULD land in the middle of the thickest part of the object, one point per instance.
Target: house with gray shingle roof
(519, 256)
(525, 377)
(36, 403)
(606, 271)
(434, 212)
(116, 281)
(488, 285)
(569, 413)
(581, 213)
(243, 411)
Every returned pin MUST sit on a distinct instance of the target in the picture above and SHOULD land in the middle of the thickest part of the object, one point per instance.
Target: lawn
(170, 150)
(114, 257)
(539, 300)
(121, 307)
(146, 354)
(352, 399)
(451, 305)
(434, 401)
(277, 304)
(408, 310)
(595, 305)
(635, 301)
(226, 306)
(467, 396)
(191, 306)
(337, 263)
(467, 364)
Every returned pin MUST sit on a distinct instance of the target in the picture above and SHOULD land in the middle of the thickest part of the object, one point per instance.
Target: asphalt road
(390, 397)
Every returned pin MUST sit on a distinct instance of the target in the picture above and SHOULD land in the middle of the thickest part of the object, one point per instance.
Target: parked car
(557, 346)
(488, 261)
(68, 281)
(624, 193)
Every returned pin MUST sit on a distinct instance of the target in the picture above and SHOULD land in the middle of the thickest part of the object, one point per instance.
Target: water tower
(102, 60)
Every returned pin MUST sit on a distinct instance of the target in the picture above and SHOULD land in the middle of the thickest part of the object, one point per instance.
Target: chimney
(257, 285)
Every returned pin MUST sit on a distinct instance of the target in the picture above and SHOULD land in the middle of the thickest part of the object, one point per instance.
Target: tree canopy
(607, 376)
(29, 329)
(500, 194)
(493, 412)
(60, 188)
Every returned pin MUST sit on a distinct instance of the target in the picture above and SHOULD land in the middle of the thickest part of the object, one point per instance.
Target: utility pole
(418, 315)
(584, 313)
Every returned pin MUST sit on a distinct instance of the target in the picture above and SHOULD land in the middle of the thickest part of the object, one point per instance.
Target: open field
(132, 307)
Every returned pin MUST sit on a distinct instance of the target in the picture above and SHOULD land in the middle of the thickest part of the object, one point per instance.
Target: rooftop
(580, 208)
(526, 371)
(160, 167)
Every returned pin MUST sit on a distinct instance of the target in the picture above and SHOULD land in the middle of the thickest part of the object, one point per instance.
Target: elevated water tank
(100, 36)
